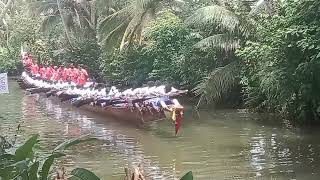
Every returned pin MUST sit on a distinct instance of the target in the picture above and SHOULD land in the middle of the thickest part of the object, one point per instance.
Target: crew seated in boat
(166, 103)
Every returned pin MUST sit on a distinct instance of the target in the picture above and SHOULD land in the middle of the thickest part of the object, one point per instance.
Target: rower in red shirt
(69, 72)
(42, 72)
(74, 74)
(48, 72)
(35, 69)
(27, 62)
(64, 74)
(55, 74)
(83, 76)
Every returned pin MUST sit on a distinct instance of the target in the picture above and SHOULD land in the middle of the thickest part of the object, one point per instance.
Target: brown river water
(216, 144)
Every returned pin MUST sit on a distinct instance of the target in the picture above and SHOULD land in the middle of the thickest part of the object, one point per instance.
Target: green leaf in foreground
(25, 150)
(33, 171)
(47, 165)
(83, 174)
(188, 176)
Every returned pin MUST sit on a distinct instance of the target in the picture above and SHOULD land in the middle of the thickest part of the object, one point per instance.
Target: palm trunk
(6, 8)
(64, 25)
(93, 13)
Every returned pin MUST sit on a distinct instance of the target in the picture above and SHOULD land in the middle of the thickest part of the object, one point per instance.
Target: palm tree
(73, 14)
(5, 7)
(129, 22)
(229, 31)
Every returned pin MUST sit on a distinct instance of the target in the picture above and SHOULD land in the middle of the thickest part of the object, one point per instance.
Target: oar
(51, 93)
(65, 97)
(82, 101)
(38, 90)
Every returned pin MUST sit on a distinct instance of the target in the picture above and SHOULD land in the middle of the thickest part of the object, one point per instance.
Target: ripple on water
(220, 145)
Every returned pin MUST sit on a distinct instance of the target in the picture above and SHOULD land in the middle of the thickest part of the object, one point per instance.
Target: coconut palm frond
(5, 23)
(261, 5)
(116, 30)
(217, 83)
(178, 2)
(113, 40)
(78, 19)
(224, 42)
(2, 5)
(44, 7)
(48, 21)
(215, 15)
(123, 13)
(143, 4)
(132, 26)
(5, 9)
(245, 28)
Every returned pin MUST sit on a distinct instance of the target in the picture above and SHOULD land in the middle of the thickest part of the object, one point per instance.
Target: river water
(216, 144)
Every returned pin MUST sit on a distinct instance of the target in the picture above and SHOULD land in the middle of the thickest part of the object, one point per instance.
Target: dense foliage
(281, 66)
(24, 163)
(21, 32)
(167, 56)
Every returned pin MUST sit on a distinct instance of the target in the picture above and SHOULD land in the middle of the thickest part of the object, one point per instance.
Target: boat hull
(130, 115)
(126, 114)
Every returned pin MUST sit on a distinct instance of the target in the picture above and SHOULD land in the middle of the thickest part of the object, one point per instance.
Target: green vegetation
(23, 162)
(266, 52)
(281, 64)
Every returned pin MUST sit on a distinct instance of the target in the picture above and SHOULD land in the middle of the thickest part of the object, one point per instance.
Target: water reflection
(226, 144)
(76, 123)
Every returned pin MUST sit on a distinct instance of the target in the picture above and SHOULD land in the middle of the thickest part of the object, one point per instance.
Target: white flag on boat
(4, 83)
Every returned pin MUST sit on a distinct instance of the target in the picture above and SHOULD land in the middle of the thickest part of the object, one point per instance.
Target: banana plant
(21, 163)
(188, 176)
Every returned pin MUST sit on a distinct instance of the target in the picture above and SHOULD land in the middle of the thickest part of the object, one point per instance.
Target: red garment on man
(83, 77)
(48, 72)
(55, 75)
(69, 73)
(42, 72)
(64, 74)
(74, 75)
(85, 72)
(35, 69)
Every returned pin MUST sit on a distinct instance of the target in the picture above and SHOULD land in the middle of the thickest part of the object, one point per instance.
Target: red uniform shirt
(35, 69)
(69, 73)
(64, 75)
(48, 73)
(83, 77)
(42, 72)
(74, 75)
(55, 75)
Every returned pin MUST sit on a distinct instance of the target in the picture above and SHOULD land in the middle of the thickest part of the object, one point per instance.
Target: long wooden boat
(131, 115)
